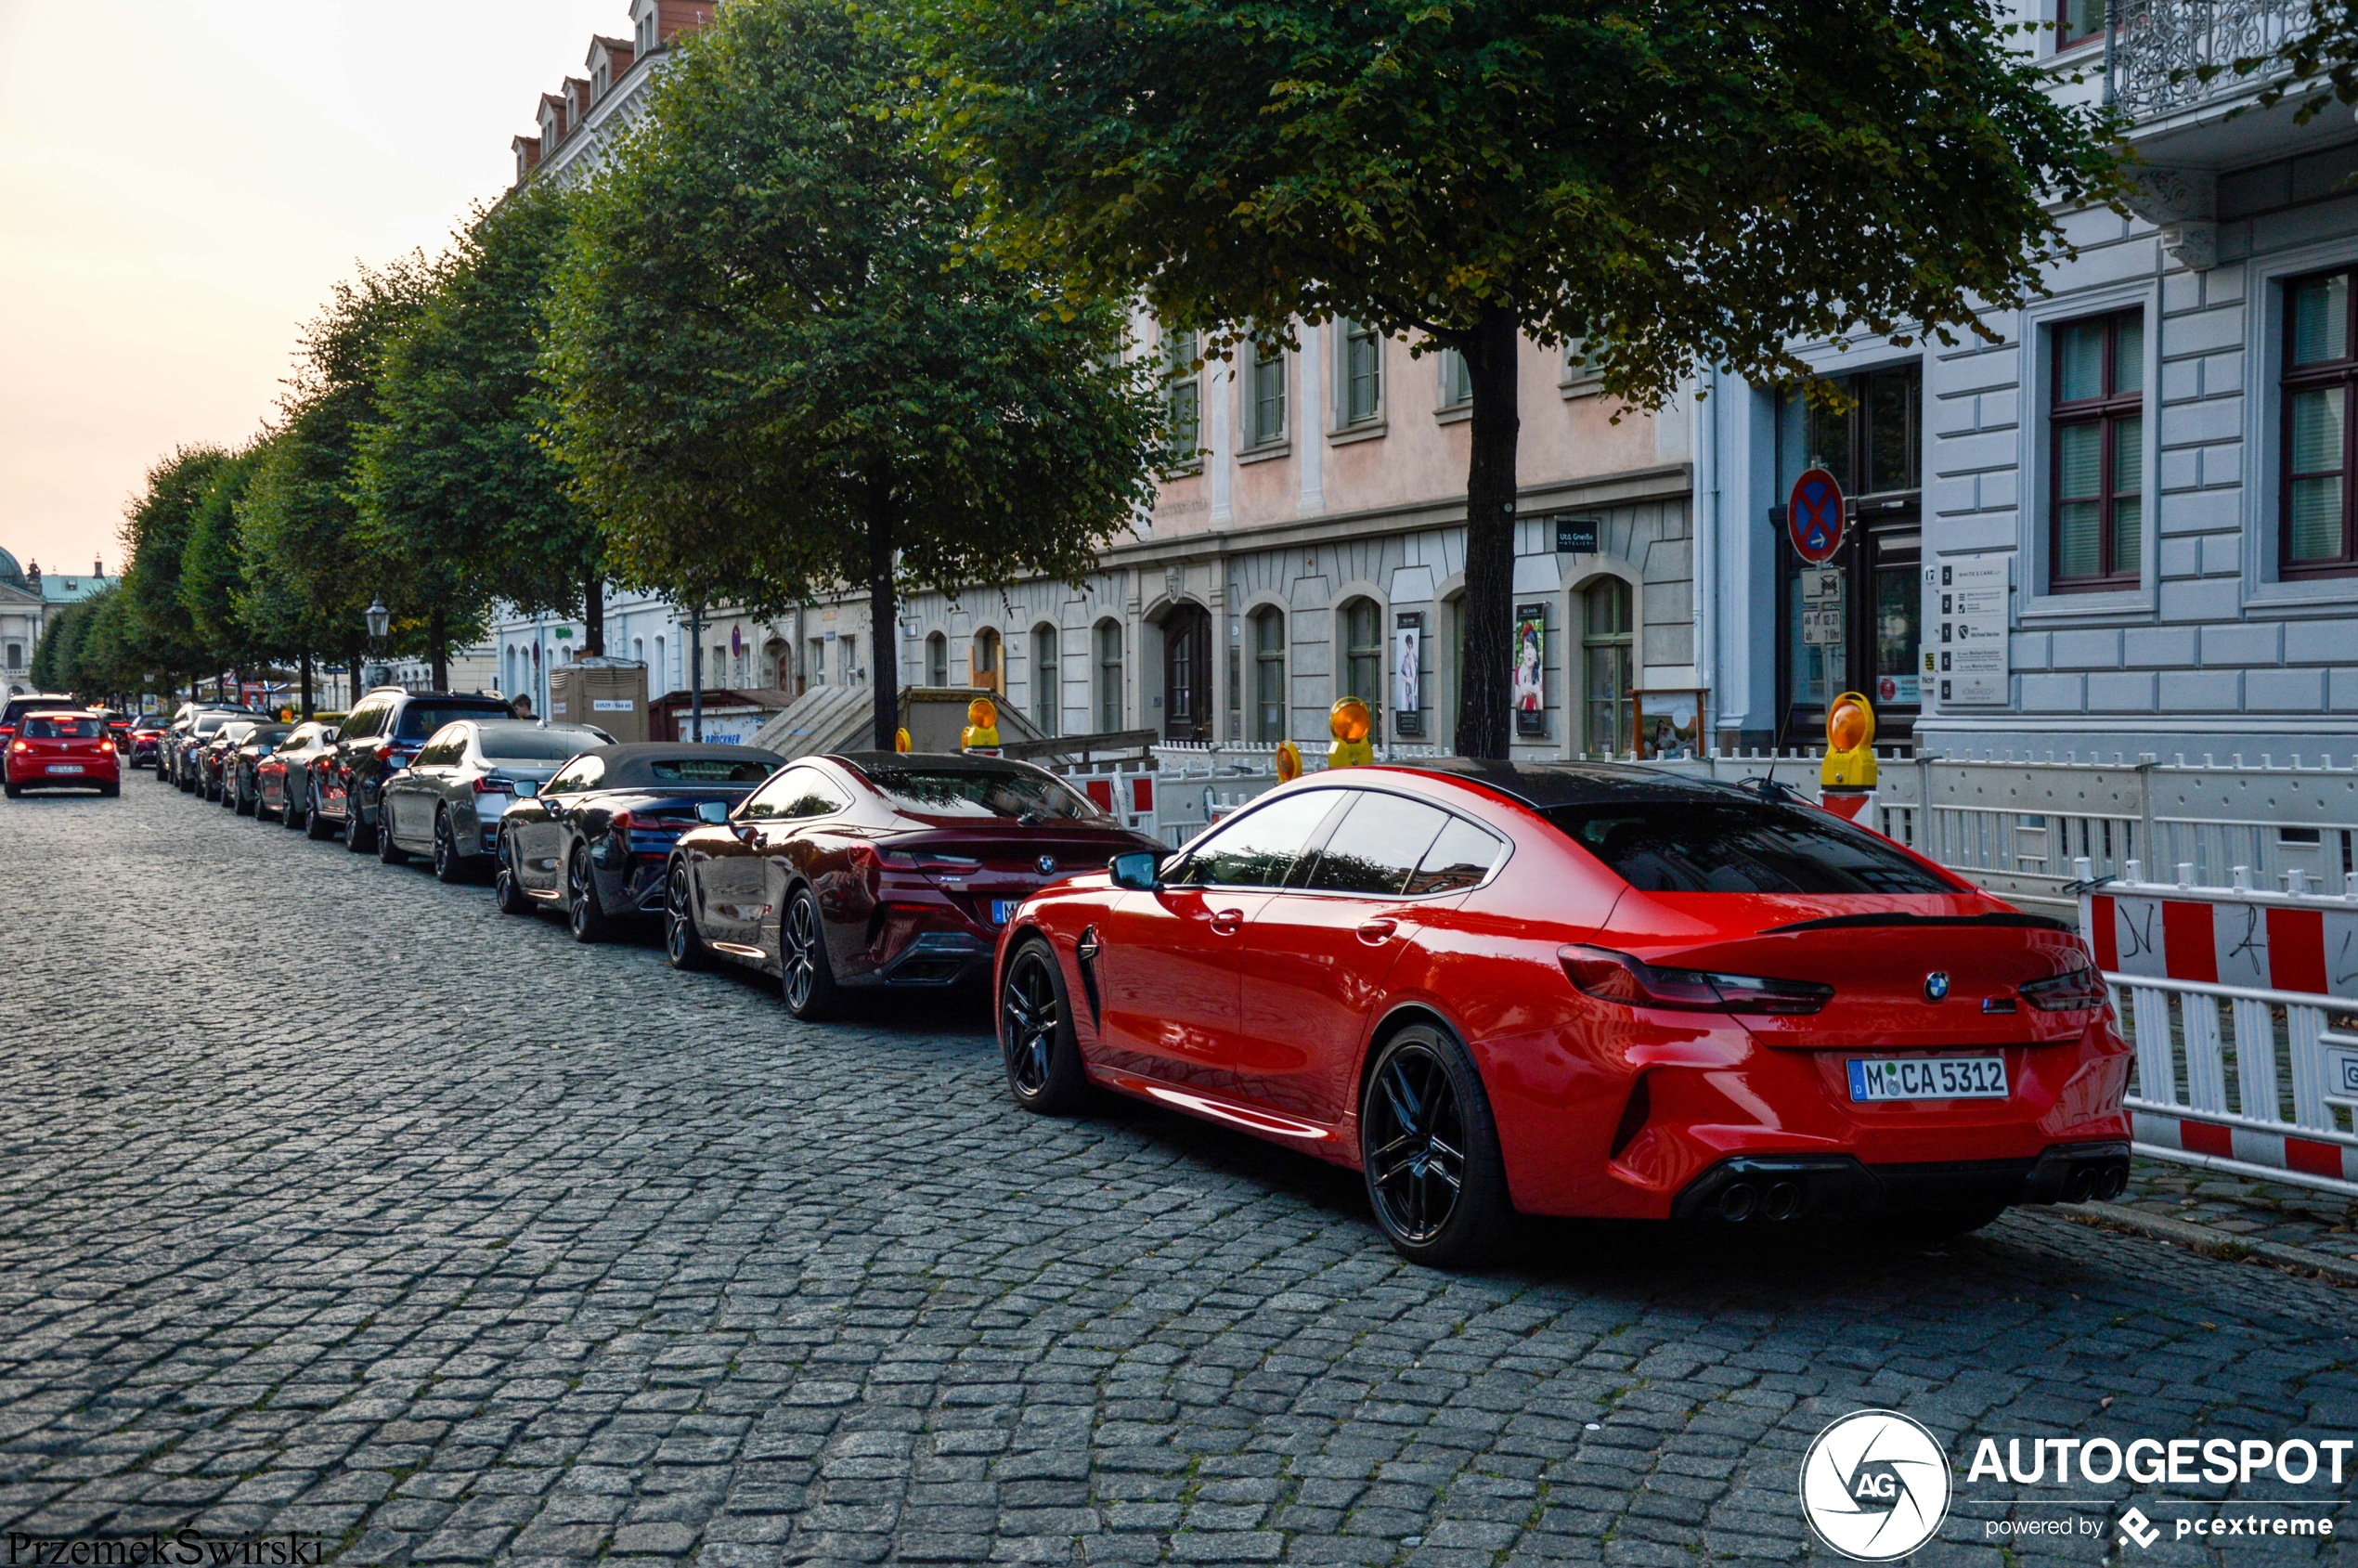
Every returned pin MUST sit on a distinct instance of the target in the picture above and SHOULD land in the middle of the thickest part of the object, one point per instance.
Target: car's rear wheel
(681, 947)
(247, 803)
(805, 979)
(15, 791)
(109, 791)
(584, 917)
(1430, 1151)
(314, 821)
(507, 886)
(448, 864)
(1036, 1034)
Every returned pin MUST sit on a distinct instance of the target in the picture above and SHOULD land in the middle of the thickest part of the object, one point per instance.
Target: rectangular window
(1264, 395)
(1182, 399)
(2318, 538)
(1269, 676)
(2079, 20)
(1457, 380)
(1582, 368)
(2097, 491)
(1362, 374)
(1108, 677)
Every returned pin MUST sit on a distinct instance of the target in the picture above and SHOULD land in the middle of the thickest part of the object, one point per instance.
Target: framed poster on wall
(1407, 670)
(1530, 670)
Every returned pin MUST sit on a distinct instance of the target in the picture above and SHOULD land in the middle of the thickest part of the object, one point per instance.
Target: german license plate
(1002, 909)
(1928, 1078)
(65, 767)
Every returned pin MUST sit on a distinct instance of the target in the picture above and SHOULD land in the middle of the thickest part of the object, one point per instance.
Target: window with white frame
(2097, 488)
(1109, 675)
(1047, 694)
(1183, 400)
(1457, 380)
(936, 660)
(1582, 369)
(1359, 380)
(1269, 675)
(1264, 395)
(2318, 525)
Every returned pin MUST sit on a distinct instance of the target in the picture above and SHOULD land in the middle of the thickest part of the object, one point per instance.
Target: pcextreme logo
(1874, 1485)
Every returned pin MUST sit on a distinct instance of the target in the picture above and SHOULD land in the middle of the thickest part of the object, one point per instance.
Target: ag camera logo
(1874, 1485)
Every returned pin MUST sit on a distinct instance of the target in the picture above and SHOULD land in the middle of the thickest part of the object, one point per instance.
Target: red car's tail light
(492, 783)
(1615, 977)
(107, 746)
(2074, 991)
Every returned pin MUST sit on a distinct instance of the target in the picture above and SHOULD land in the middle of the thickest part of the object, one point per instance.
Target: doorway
(1186, 674)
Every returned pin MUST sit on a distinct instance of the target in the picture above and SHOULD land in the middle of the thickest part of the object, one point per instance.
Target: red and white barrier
(2175, 954)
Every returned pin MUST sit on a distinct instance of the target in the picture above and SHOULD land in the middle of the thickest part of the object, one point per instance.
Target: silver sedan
(447, 803)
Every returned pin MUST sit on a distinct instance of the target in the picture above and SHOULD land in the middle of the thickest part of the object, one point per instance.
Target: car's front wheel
(507, 886)
(314, 821)
(681, 947)
(805, 979)
(448, 864)
(585, 917)
(1036, 1034)
(1430, 1151)
(388, 852)
(357, 836)
(244, 803)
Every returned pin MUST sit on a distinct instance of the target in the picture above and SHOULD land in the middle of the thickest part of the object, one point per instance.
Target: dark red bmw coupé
(1580, 990)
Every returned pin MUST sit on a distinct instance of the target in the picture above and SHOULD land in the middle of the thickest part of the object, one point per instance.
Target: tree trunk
(1484, 722)
(354, 654)
(438, 646)
(593, 615)
(308, 707)
(883, 609)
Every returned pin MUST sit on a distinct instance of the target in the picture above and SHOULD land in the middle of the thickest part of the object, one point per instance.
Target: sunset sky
(184, 179)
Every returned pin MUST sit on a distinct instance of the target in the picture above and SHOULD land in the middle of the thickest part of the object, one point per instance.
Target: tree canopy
(1677, 183)
(784, 364)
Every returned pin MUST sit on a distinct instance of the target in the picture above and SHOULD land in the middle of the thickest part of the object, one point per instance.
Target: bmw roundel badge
(1047, 865)
(1936, 985)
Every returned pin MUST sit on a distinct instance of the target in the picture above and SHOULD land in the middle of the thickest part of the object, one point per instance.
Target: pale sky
(180, 183)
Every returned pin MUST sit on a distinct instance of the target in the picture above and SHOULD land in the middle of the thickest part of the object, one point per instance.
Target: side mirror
(329, 733)
(712, 813)
(1136, 872)
(528, 788)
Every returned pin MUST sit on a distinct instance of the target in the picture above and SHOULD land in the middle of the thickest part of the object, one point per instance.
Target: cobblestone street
(333, 1201)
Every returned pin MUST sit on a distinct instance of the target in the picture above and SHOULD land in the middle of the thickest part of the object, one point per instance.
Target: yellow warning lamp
(981, 733)
(901, 739)
(1850, 742)
(1289, 762)
(1349, 721)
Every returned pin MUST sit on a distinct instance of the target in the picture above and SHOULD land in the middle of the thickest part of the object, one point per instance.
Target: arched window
(1269, 675)
(1608, 724)
(1363, 659)
(1186, 674)
(1048, 692)
(662, 671)
(936, 660)
(1109, 675)
(983, 666)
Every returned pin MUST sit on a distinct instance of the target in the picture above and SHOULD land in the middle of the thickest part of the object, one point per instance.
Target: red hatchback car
(1580, 990)
(63, 750)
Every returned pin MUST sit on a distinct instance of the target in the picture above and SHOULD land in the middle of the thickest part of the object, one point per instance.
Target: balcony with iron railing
(2168, 58)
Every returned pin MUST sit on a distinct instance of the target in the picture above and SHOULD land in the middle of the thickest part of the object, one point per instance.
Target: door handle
(1225, 921)
(1378, 931)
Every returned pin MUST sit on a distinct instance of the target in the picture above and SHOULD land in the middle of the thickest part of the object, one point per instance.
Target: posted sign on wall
(1967, 654)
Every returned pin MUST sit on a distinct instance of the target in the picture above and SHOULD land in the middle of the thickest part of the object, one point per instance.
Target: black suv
(376, 740)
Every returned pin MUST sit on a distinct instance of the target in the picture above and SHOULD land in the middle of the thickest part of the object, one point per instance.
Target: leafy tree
(155, 537)
(212, 570)
(55, 662)
(310, 568)
(1675, 182)
(783, 363)
(454, 481)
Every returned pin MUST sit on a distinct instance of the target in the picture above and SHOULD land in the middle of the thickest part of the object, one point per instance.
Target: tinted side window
(363, 723)
(1259, 849)
(583, 774)
(797, 792)
(1377, 845)
(1459, 857)
(1740, 848)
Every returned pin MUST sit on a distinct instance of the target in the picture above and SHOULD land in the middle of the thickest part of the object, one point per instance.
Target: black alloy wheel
(388, 852)
(1430, 1151)
(682, 948)
(585, 917)
(247, 803)
(507, 886)
(804, 978)
(357, 836)
(448, 864)
(1036, 1036)
(13, 791)
(314, 821)
(262, 811)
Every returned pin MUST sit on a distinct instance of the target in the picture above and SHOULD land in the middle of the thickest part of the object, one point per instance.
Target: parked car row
(1561, 989)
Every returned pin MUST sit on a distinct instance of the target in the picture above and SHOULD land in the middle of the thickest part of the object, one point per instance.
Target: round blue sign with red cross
(1814, 516)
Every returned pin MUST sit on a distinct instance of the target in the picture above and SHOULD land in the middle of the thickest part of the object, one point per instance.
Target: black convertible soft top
(636, 765)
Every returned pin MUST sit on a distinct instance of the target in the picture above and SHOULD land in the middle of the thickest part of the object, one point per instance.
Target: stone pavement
(332, 1201)
(2245, 1210)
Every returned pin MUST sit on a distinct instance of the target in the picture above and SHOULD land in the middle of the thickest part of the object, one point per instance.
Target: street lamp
(380, 619)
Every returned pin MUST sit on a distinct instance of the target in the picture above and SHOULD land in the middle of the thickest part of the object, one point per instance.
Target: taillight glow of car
(2073, 990)
(1616, 976)
(492, 783)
